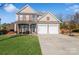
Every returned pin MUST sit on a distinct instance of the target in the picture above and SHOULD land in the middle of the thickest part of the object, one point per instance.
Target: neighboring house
(10, 27)
(29, 20)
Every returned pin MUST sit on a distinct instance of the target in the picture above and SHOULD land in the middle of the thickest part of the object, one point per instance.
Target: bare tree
(72, 23)
(76, 17)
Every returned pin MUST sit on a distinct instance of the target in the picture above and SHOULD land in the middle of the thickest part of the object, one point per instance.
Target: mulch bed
(10, 32)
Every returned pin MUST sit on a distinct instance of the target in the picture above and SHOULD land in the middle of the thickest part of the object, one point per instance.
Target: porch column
(17, 28)
(29, 27)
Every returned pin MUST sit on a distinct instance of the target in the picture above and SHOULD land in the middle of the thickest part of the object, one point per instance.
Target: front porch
(26, 28)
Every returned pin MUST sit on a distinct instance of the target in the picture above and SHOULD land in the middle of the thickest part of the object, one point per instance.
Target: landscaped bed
(19, 45)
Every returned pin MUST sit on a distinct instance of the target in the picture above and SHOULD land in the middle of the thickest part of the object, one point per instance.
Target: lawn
(19, 45)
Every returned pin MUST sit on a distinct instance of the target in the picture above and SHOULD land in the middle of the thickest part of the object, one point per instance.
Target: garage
(42, 28)
(53, 28)
(48, 24)
(47, 29)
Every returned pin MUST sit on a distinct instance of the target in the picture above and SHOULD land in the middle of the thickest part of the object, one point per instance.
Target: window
(21, 17)
(24, 17)
(33, 17)
(48, 18)
(27, 17)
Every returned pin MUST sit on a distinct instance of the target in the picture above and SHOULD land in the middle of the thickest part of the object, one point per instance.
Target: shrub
(75, 30)
(12, 30)
(3, 32)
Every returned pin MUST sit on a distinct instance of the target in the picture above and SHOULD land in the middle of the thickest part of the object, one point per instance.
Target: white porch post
(15, 27)
(36, 28)
(29, 27)
(18, 28)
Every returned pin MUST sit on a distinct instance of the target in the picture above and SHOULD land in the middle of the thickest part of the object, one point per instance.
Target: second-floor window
(27, 17)
(33, 17)
(21, 17)
(48, 18)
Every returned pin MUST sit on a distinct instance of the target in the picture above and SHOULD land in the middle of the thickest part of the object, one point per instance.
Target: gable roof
(27, 9)
(51, 15)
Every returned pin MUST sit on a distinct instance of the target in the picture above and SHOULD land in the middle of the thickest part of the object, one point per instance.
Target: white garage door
(42, 28)
(53, 28)
(45, 29)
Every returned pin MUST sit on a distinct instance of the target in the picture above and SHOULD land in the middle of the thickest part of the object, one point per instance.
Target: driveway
(59, 45)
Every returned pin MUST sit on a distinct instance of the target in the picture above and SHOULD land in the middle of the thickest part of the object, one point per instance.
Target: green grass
(19, 45)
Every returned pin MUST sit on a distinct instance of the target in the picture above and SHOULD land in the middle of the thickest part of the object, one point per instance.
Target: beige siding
(28, 10)
(10, 27)
(52, 18)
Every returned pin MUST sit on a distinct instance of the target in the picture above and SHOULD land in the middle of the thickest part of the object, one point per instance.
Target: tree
(0, 23)
(4, 26)
(71, 26)
(72, 23)
(76, 17)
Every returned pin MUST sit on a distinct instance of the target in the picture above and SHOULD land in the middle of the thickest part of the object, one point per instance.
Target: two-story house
(29, 20)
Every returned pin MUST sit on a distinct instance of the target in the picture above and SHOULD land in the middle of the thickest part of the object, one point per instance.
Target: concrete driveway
(59, 45)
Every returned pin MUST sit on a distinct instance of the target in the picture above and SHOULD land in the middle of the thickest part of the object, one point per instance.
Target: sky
(8, 10)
